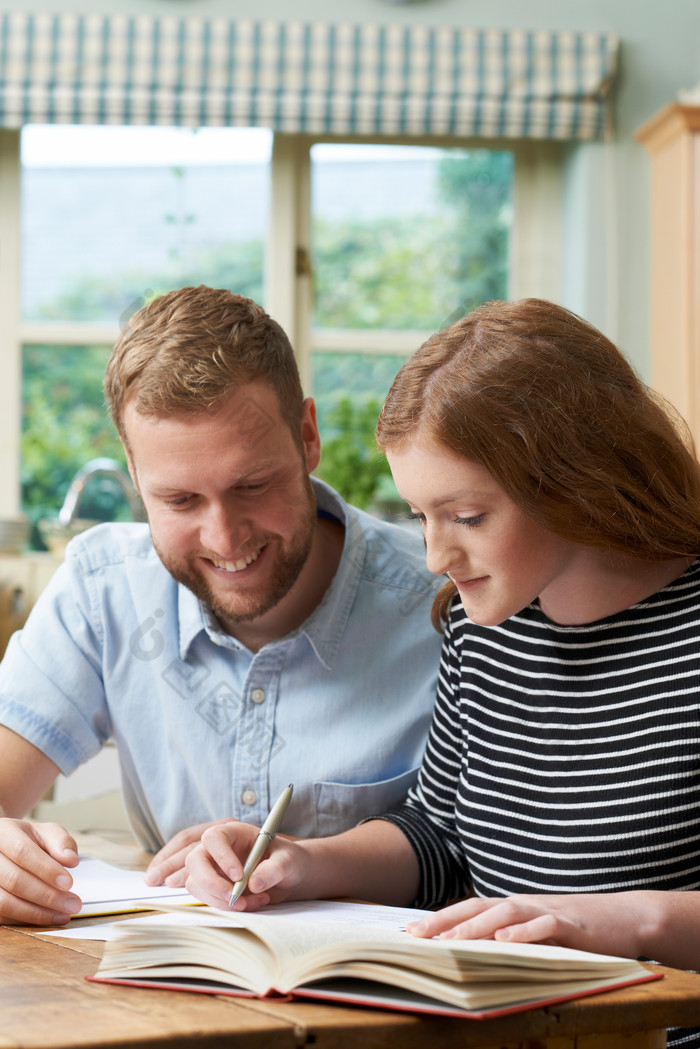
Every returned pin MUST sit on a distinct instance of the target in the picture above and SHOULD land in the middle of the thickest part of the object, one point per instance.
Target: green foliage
(476, 186)
(350, 459)
(64, 421)
(416, 272)
(347, 421)
(381, 273)
(359, 376)
(64, 424)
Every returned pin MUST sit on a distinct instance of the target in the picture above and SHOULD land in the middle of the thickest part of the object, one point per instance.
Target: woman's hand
(610, 923)
(34, 882)
(663, 926)
(216, 863)
(373, 861)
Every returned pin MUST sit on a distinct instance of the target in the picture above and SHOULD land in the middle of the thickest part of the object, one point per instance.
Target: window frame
(534, 266)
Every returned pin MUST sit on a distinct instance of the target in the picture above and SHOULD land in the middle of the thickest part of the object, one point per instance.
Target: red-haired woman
(559, 798)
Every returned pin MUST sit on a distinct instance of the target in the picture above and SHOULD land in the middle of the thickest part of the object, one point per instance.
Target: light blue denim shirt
(204, 728)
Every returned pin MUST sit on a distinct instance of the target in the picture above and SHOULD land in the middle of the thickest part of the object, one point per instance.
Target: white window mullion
(288, 279)
(536, 249)
(367, 340)
(68, 333)
(10, 348)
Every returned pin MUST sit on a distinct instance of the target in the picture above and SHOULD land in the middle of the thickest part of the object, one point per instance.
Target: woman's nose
(441, 553)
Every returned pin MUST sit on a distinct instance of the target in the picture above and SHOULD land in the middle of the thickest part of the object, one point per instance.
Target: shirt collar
(325, 626)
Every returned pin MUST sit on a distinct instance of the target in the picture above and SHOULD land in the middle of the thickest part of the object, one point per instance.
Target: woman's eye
(411, 516)
(470, 522)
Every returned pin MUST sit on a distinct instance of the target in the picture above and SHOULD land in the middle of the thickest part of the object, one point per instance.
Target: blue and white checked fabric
(319, 78)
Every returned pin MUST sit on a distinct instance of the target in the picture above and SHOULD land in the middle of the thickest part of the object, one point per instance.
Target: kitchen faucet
(99, 467)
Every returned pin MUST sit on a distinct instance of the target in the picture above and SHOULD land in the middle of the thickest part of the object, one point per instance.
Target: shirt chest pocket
(339, 806)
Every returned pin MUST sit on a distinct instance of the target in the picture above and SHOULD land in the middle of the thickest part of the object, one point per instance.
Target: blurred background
(360, 244)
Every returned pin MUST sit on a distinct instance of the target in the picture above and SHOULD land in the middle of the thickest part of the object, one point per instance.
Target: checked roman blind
(320, 78)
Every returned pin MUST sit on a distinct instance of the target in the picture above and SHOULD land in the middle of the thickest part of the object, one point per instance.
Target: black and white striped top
(564, 758)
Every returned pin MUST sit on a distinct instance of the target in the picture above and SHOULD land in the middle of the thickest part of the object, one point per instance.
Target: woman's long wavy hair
(559, 418)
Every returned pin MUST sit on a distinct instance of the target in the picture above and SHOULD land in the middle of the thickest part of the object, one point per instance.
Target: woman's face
(498, 557)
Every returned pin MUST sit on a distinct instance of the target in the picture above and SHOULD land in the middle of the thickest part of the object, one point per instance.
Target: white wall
(606, 236)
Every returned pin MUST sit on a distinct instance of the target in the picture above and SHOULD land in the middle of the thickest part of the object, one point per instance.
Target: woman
(559, 798)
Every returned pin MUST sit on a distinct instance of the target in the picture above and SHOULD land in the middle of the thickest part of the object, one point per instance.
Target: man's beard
(249, 604)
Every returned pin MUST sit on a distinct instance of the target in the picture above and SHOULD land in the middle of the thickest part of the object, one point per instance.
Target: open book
(352, 953)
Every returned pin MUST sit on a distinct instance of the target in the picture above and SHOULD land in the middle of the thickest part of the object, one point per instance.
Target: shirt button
(258, 695)
(249, 797)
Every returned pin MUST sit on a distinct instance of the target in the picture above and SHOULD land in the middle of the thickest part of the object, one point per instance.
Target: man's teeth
(237, 566)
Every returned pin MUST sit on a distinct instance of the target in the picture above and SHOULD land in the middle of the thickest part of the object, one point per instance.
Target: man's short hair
(186, 351)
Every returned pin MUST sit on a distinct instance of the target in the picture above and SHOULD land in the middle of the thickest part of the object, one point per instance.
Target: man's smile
(238, 565)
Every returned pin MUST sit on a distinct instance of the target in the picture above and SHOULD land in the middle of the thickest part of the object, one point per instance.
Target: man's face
(229, 500)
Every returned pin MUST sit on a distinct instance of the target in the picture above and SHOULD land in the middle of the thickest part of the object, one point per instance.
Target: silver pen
(267, 833)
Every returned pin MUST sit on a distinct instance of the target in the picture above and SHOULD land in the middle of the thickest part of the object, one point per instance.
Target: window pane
(349, 389)
(361, 376)
(407, 237)
(65, 425)
(112, 214)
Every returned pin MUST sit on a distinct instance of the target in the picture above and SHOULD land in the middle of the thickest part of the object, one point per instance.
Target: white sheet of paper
(105, 889)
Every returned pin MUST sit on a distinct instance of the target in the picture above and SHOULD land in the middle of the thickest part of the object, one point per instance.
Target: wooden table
(46, 1003)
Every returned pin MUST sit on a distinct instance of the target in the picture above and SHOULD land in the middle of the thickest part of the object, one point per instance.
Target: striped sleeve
(428, 817)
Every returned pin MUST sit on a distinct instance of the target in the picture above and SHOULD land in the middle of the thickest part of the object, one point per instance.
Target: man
(258, 631)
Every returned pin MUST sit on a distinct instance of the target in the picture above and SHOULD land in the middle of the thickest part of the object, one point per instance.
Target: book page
(471, 996)
(343, 912)
(308, 951)
(233, 956)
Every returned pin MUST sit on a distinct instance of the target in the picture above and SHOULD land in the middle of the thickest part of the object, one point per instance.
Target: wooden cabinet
(672, 139)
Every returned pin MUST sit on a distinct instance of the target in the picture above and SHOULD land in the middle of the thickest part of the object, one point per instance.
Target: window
(370, 248)
(112, 215)
(110, 218)
(403, 239)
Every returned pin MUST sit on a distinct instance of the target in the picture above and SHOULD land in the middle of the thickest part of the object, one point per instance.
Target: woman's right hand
(216, 863)
(34, 882)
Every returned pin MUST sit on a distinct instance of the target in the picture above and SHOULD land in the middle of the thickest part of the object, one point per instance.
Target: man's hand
(34, 883)
(168, 865)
